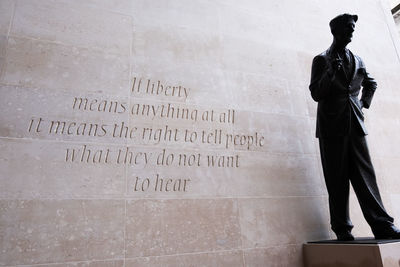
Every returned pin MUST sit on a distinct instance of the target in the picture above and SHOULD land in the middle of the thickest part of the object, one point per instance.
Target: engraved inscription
(152, 131)
(159, 184)
(158, 88)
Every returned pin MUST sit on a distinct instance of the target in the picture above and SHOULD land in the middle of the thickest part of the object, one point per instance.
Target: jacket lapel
(356, 65)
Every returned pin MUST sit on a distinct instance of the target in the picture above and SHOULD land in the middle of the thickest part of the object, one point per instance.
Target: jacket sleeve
(321, 78)
(369, 86)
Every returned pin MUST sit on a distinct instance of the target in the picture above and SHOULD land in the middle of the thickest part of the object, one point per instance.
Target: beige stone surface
(229, 258)
(389, 169)
(200, 15)
(3, 45)
(117, 6)
(73, 24)
(48, 231)
(167, 227)
(384, 148)
(45, 172)
(268, 93)
(37, 63)
(6, 15)
(108, 263)
(390, 254)
(169, 45)
(277, 221)
(287, 175)
(278, 256)
(286, 134)
(395, 198)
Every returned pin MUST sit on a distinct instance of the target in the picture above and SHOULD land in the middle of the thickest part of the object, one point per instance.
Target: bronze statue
(336, 80)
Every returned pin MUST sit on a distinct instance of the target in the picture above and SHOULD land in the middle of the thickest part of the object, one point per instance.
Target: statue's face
(344, 33)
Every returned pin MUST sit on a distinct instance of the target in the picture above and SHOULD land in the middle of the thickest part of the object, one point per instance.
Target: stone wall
(176, 133)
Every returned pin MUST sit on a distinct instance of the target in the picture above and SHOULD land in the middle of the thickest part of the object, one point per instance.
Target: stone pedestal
(364, 252)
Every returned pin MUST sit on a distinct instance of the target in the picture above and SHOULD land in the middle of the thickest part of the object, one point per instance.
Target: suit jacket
(337, 95)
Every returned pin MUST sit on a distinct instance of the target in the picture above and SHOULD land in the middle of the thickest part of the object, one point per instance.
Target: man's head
(342, 28)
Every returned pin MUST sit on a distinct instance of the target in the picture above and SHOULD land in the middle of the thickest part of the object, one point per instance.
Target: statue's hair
(340, 21)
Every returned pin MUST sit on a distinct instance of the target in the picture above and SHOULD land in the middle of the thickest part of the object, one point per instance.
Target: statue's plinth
(362, 252)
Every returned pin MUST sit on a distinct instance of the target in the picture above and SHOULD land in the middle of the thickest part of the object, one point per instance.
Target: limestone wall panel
(6, 15)
(228, 258)
(293, 219)
(50, 231)
(36, 63)
(166, 227)
(73, 24)
(290, 255)
(46, 171)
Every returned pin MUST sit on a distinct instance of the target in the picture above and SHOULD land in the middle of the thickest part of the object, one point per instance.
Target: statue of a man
(336, 80)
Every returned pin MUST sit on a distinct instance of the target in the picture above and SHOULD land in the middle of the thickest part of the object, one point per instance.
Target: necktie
(346, 63)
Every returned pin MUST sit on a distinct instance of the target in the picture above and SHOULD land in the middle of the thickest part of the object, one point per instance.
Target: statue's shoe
(391, 232)
(345, 236)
